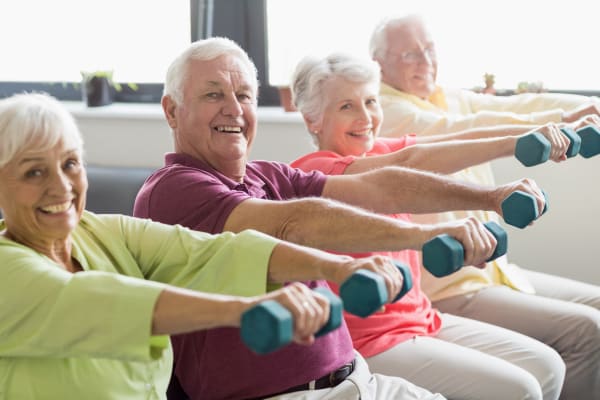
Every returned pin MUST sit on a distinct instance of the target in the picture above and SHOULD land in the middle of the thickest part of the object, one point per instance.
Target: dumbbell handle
(444, 255)
(268, 326)
(364, 292)
(574, 141)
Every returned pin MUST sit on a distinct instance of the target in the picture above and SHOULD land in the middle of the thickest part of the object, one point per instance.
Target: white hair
(202, 50)
(35, 119)
(378, 45)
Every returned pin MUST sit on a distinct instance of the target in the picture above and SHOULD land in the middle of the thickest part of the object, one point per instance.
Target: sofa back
(112, 190)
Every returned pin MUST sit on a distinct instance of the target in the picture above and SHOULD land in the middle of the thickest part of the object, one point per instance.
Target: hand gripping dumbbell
(534, 149)
(590, 141)
(520, 209)
(365, 292)
(575, 141)
(444, 255)
(268, 326)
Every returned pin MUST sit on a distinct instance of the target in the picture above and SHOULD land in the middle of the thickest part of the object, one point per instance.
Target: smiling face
(216, 121)
(42, 195)
(351, 117)
(409, 64)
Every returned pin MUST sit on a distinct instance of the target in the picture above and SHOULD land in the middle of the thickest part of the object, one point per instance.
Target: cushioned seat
(112, 190)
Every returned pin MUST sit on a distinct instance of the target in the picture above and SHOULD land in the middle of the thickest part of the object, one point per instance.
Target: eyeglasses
(413, 57)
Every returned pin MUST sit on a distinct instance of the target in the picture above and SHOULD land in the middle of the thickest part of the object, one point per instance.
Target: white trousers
(363, 385)
(564, 314)
(472, 360)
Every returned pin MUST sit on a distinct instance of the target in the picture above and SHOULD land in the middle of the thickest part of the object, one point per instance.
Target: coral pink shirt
(412, 315)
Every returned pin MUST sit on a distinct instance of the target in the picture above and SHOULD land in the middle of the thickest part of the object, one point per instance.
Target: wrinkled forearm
(452, 156)
(180, 310)
(333, 226)
(486, 132)
(396, 190)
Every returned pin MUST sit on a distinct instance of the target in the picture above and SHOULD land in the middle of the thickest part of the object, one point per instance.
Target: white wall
(562, 242)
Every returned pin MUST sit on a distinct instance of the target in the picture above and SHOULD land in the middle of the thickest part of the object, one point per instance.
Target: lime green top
(87, 335)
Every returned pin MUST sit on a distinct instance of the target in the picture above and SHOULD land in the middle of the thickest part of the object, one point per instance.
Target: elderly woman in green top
(85, 299)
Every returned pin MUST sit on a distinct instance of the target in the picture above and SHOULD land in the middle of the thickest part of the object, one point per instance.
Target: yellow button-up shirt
(450, 111)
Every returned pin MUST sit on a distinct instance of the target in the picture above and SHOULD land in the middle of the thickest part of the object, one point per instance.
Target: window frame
(242, 21)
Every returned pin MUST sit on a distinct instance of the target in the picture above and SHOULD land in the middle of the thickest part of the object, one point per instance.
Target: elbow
(302, 224)
(414, 157)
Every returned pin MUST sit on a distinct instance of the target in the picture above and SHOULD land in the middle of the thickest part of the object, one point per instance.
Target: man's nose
(232, 107)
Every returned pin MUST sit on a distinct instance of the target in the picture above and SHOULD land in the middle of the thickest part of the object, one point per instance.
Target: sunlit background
(526, 40)
(516, 40)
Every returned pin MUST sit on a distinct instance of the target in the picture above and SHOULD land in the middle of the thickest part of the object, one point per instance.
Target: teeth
(235, 129)
(363, 133)
(56, 208)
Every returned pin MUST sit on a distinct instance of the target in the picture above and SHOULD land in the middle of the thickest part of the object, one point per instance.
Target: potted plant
(489, 83)
(98, 87)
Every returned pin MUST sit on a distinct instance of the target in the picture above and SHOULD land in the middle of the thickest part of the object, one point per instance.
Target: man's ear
(169, 106)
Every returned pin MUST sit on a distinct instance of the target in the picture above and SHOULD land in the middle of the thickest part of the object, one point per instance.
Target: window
(516, 40)
(53, 41)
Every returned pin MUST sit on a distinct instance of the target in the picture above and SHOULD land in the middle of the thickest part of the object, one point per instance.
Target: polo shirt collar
(252, 184)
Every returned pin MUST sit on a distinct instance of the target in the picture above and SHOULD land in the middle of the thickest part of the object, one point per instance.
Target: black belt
(332, 379)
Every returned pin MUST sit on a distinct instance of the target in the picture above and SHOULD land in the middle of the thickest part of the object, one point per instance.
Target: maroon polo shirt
(215, 364)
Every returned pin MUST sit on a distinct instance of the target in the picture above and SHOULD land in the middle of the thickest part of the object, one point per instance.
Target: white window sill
(154, 112)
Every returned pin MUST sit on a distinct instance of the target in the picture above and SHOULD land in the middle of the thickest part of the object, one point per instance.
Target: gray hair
(34, 119)
(311, 73)
(202, 50)
(378, 45)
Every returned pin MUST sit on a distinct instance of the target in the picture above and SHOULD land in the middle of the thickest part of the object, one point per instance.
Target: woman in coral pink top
(458, 357)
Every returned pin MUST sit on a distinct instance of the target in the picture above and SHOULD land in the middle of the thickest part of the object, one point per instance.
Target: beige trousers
(472, 360)
(363, 385)
(564, 314)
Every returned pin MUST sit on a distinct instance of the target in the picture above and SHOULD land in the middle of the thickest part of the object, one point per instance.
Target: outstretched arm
(180, 310)
(443, 157)
(330, 225)
(451, 153)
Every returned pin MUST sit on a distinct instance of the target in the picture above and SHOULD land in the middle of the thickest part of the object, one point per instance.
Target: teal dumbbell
(575, 141)
(532, 149)
(365, 291)
(268, 326)
(590, 141)
(520, 208)
(443, 255)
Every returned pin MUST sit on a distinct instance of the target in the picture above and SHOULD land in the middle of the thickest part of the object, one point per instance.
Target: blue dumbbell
(590, 141)
(443, 255)
(268, 326)
(575, 141)
(365, 291)
(532, 149)
(520, 208)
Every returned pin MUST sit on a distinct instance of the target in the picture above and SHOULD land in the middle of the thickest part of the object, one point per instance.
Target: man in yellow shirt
(540, 305)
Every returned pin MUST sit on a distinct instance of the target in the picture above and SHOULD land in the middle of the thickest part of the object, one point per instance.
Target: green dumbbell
(268, 326)
(520, 208)
(365, 292)
(532, 149)
(575, 141)
(590, 141)
(443, 255)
